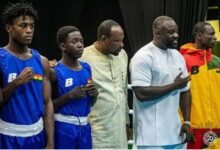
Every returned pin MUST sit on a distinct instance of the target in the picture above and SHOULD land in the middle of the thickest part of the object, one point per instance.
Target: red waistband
(205, 130)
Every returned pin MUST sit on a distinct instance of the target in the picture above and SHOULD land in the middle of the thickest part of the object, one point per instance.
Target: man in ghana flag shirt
(205, 80)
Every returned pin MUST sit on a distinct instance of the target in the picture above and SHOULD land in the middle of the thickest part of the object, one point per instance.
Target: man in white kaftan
(109, 69)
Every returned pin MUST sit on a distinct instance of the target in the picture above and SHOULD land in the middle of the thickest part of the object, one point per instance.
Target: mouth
(212, 44)
(28, 38)
(80, 51)
(175, 42)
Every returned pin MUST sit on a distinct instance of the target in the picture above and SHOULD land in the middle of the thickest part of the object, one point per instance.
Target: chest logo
(11, 77)
(209, 137)
(195, 69)
(218, 70)
(38, 77)
(68, 82)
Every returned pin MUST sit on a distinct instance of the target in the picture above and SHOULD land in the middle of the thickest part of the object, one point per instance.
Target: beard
(116, 52)
(172, 44)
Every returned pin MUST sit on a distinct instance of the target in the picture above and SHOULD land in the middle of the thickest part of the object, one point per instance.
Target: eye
(32, 26)
(171, 32)
(23, 25)
(74, 41)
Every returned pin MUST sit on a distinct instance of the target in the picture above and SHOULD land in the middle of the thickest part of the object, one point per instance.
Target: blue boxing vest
(68, 79)
(25, 106)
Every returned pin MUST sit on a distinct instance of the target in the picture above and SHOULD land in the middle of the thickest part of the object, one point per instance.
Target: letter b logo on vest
(68, 82)
(195, 69)
(11, 77)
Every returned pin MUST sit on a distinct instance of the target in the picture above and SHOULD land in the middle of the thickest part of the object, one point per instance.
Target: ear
(103, 38)
(199, 35)
(62, 46)
(157, 32)
(7, 28)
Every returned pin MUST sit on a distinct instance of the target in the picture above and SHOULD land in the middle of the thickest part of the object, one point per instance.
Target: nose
(80, 44)
(176, 35)
(122, 44)
(214, 37)
(29, 29)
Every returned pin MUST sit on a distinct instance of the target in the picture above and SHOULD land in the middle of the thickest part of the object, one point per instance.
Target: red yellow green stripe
(38, 77)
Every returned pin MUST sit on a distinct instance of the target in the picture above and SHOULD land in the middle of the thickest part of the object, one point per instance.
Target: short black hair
(12, 11)
(199, 28)
(105, 28)
(63, 32)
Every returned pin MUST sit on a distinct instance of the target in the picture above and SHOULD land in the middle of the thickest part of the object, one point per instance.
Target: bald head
(160, 21)
(165, 32)
(105, 28)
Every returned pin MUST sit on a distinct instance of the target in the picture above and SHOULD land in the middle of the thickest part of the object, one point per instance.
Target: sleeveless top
(68, 79)
(25, 106)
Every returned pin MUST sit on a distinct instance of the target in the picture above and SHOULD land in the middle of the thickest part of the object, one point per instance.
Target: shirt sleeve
(185, 74)
(140, 70)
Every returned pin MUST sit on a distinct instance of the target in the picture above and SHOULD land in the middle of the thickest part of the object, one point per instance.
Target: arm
(1, 96)
(90, 88)
(76, 93)
(185, 106)
(24, 77)
(48, 113)
(154, 92)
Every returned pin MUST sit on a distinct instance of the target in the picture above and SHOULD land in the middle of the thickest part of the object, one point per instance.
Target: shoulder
(90, 55)
(4, 58)
(144, 54)
(85, 65)
(176, 53)
(122, 55)
(45, 62)
(89, 49)
(36, 54)
(3, 53)
(44, 59)
(216, 59)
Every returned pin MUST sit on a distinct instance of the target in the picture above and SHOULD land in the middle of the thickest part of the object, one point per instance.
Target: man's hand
(186, 129)
(53, 63)
(25, 76)
(129, 132)
(77, 92)
(181, 82)
(90, 88)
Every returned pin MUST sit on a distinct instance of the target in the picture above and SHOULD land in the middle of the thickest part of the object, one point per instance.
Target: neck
(200, 46)
(100, 47)
(70, 62)
(16, 47)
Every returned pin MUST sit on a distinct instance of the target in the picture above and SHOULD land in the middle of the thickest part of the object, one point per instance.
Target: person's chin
(27, 42)
(174, 45)
(78, 55)
(212, 44)
(117, 52)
